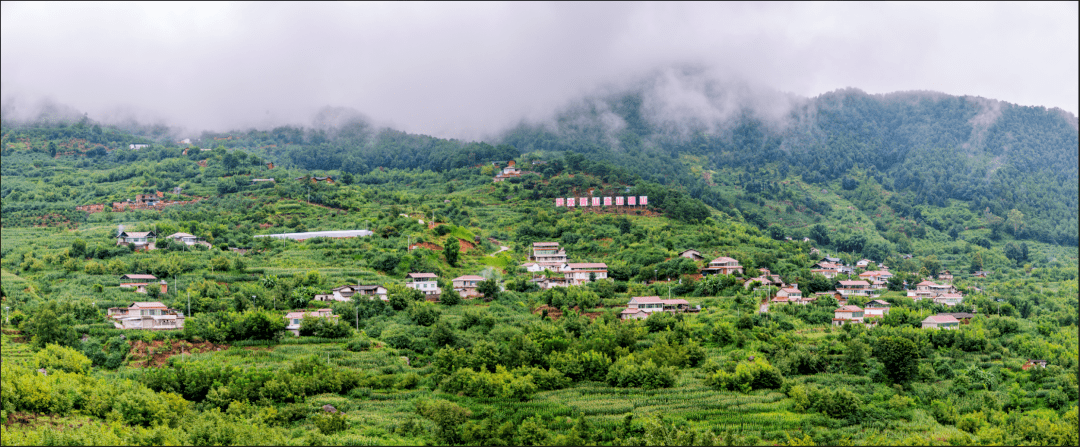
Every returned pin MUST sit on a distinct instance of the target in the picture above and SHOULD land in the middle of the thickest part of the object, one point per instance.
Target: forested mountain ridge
(924, 151)
(928, 147)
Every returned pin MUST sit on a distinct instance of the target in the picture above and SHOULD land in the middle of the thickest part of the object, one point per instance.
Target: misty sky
(466, 70)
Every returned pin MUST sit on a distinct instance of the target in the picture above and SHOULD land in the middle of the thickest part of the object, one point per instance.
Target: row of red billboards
(607, 201)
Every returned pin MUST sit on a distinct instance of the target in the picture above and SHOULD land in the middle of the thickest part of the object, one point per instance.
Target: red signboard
(583, 201)
(643, 200)
(570, 202)
(559, 201)
(595, 201)
(619, 201)
(632, 200)
(607, 201)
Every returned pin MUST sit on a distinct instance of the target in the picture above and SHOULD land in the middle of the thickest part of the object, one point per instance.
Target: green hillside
(525, 366)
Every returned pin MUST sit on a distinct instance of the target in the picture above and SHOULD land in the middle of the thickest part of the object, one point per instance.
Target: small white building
(428, 283)
(294, 319)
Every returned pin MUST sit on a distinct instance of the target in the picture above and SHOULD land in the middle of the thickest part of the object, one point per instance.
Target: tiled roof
(422, 275)
(849, 309)
(941, 319)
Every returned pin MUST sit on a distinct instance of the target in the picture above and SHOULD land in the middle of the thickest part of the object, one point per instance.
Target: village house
(854, 288)
(140, 281)
(294, 319)
(466, 285)
(146, 315)
(949, 299)
(929, 289)
(941, 321)
(140, 240)
(510, 171)
(692, 254)
(863, 263)
(826, 269)
(545, 282)
(1032, 363)
(424, 282)
(639, 307)
(876, 308)
(964, 317)
(546, 255)
(580, 273)
(345, 293)
(722, 266)
(847, 315)
(788, 295)
(945, 277)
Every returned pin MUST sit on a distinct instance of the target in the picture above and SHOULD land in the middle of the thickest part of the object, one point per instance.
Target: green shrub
(55, 357)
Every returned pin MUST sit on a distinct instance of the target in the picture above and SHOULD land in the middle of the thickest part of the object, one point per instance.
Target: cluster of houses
(147, 240)
(549, 266)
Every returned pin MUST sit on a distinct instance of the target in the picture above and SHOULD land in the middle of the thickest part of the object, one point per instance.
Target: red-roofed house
(854, 288)
(847, 314)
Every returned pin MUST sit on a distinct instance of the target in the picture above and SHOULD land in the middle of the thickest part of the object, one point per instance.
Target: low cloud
(468, 70)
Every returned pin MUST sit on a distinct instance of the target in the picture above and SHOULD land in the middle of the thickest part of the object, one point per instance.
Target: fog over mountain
(472, 70)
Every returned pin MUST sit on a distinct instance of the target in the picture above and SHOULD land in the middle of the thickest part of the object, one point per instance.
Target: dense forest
(926, 184)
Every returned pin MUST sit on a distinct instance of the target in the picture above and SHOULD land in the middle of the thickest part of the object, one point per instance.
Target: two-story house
(847, 315)
(876, 308)
(580, 273)
(854, 288)
(424, 282)
(722, 266)
(466, 285)
(146, 315)
(140, 240)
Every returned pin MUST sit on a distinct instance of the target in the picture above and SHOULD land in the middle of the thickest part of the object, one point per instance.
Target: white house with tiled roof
(466, 285)
(640, 307)
(146, 315)
(578, 273)
(941, 321)
(428, 283)
(722, 266)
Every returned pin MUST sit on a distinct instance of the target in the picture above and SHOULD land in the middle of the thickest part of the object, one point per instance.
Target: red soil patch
(427, 245)
(155, 354)
(465, 245)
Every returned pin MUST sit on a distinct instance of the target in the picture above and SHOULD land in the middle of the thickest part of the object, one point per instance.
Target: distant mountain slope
(928, 147)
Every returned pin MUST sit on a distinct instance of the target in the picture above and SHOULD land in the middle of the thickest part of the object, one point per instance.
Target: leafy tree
(451, 251)
(55, 357)
(46, 328)
(899, 356)
(489, 288)
(447, 416)
(819, 234)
